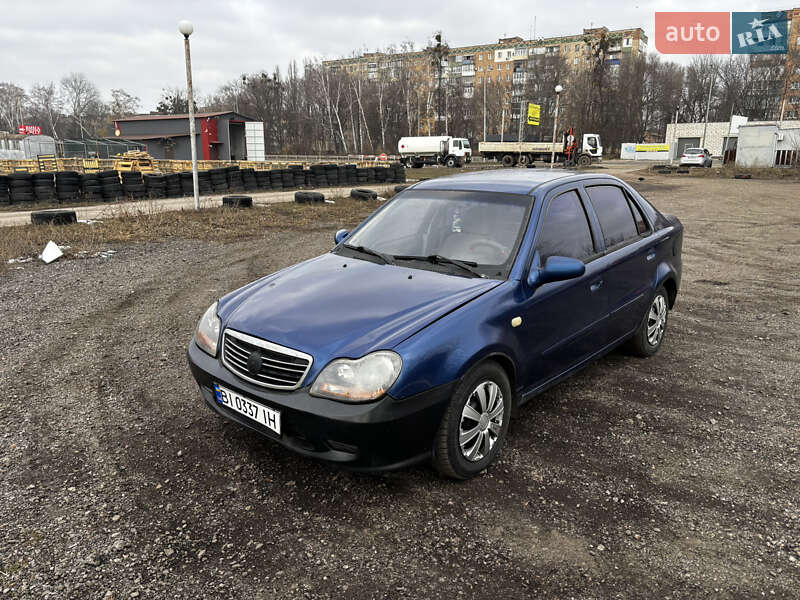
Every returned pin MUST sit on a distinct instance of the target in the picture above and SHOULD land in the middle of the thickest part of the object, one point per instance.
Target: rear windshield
(694, 151)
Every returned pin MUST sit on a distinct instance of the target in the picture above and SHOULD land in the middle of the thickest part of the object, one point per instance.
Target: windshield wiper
(436, 259)
(386, 258)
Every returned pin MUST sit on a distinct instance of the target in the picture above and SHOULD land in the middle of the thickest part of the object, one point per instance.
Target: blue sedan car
(423, 330)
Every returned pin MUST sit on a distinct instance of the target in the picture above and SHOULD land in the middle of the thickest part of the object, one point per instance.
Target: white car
(696, 157)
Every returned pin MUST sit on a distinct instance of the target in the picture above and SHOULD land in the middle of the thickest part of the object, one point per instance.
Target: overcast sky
(136, 45)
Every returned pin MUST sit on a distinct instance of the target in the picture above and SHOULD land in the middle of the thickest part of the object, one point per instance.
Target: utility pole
(484, 109)
(708, 107)
(521, 128)
(502, 123)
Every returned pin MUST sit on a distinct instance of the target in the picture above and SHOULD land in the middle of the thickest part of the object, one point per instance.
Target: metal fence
(96, 148)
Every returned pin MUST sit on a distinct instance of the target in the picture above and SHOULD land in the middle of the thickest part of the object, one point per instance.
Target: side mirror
(340, 235)
(557, 268)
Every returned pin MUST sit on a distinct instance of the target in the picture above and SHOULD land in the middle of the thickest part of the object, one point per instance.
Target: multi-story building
(505, 62)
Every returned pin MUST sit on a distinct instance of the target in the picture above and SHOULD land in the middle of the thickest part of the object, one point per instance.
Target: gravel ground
(672, 477)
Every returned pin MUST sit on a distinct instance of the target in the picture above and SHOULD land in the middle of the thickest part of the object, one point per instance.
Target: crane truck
(524, 153)
(434, 150)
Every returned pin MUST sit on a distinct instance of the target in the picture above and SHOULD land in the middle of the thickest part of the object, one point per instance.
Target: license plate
(253, 410)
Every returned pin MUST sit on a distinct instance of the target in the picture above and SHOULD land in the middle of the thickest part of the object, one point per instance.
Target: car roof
(510, 181)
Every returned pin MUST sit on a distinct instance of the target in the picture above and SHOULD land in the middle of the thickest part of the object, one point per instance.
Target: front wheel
(650, 334)
(584, 160)
(475, 425)
(450, 162)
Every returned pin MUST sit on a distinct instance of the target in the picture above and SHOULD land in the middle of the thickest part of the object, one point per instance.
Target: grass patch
(147, 224)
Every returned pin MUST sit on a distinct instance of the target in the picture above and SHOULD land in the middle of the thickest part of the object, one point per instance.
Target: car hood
(334, 306)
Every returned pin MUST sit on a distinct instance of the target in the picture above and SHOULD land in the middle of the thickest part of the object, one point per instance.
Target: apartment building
(505, 61)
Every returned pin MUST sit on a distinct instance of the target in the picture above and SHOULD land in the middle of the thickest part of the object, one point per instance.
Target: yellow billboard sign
(652, 147)
(534, 113)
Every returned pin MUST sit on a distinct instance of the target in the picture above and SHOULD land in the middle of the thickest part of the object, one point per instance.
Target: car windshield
(425, 229)
(466, 144)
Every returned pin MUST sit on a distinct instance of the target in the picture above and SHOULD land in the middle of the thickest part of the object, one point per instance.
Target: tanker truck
(434, 150)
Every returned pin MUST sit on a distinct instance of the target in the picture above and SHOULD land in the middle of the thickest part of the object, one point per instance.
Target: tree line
(313, 109)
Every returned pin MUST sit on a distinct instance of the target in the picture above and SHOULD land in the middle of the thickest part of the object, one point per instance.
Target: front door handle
(651, 255)
(596, 285)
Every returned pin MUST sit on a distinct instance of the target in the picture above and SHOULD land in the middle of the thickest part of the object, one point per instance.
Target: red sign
(30, 130)
(383, 157)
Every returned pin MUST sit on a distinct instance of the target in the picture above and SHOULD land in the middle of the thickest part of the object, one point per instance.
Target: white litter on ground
(20, 259)
(51, 252)
(330, 202)
(89, 221)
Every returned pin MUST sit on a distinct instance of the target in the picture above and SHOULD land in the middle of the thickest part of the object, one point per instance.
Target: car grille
(279, 367)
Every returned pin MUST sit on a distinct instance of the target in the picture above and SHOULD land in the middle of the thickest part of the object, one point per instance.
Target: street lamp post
(186, 28)
(559, 89)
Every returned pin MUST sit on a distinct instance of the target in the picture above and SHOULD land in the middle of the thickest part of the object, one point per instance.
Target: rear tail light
(701, 156)
(683, 156)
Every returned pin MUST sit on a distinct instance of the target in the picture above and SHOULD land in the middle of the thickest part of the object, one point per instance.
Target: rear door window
(566, 231)
(614, 213)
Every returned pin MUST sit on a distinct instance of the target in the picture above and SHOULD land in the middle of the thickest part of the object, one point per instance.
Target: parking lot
(672, 477)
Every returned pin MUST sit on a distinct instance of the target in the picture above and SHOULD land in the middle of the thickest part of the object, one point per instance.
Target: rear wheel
(650, 334)
(475, 425)
(508, 160)
(524, 160)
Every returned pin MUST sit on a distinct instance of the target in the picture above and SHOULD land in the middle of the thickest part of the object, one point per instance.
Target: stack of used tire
(110, 184)
(219, 179)
(203, 183)
(350, 175)
(20, 187)
(362, 175)
(91, 186)
(332, 174)
(249, 179)
(133, 185)
(68, 185)
(276, 179)
(235, 181)
(43, 187)
(287, 178)
(398, 172)
(298, 174)
(173, 187)
(382, 174)
(317, 178)
(263, 180)
(5, 198)
(155, 186)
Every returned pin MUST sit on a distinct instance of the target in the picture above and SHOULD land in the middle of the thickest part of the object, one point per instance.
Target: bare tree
(11, 99)
(82, 100)
(47, 105)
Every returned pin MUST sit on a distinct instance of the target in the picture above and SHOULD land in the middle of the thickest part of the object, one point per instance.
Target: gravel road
(673, 477)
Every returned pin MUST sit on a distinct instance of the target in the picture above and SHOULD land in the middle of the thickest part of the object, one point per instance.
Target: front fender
(445, 350)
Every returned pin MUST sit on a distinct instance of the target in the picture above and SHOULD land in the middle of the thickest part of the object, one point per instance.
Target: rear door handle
(651, 255)
(596, 285)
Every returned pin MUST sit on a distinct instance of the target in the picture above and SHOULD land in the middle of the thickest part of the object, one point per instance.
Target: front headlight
(359, 380)
(207, 334)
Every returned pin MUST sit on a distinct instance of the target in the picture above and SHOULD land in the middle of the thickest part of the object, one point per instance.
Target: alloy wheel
(657, 320)
(481, 421)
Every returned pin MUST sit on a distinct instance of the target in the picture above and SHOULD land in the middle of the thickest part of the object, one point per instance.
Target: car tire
(584, 160)
(645, 342)
(508, 160)
(449, 458)
(53, 217)
(363, 194)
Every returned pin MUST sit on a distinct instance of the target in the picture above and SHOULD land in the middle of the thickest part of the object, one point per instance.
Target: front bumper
(376, 436)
